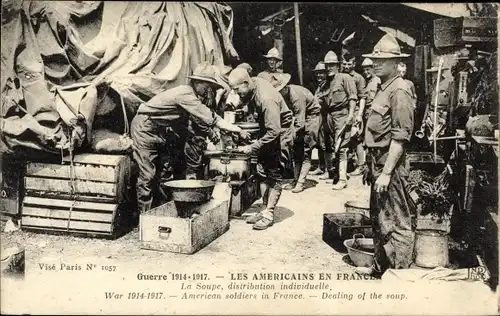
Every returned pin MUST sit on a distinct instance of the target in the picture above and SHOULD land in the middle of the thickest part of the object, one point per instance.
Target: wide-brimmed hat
(277, 80)
(273, 53)
(331, 58)
(320, 66)
(205, 72)
(387, 47)
(238, 76)
(367, 63)
(245, 66)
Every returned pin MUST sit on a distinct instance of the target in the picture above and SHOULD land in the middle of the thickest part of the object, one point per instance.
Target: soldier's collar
(384, 85)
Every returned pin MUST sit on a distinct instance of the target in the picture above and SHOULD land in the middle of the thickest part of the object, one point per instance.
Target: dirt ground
(294, 241)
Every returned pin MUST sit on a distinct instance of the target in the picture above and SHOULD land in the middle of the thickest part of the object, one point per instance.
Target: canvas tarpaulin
(61, 59)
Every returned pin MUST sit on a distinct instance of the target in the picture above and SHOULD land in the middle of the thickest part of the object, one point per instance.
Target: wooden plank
(96, 159)
(60, 223)
(76, 233)
(88, 172)
(123, 178)
(64, 214)
(30, 200)
(67, 196)
(81, 187)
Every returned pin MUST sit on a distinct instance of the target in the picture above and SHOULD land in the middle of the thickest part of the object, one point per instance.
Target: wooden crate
(91, 202)
(433, 223)
(97, 178)
(161, 229)
(72, 217)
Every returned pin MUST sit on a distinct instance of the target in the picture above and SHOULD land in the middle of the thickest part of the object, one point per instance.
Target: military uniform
(275, 142)
(342, 90)
(306, 110)
(360, 83)
(321, 94)
(391, 118)
(167, 111)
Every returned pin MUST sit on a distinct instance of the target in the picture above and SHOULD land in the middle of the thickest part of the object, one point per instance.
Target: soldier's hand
(244, 135)
(382, 183)
(214, 137)
(245, 149)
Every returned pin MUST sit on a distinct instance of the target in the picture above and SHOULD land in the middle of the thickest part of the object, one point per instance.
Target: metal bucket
(358, 255)
(431, 248)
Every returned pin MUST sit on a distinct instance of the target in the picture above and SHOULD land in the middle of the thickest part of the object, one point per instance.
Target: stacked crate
(85, 196)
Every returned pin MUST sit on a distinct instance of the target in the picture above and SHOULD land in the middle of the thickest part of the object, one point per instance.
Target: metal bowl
(360, 207)
(359, 256)
(190, 190)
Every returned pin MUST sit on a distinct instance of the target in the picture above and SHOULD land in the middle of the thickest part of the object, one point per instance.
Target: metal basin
(358, 207)
(363, 255)
(190, 190)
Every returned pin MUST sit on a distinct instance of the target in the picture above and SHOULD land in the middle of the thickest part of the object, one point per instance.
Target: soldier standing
(372, 85)
(274, 60)
(388, 130)
(321, 93)
(341, 103)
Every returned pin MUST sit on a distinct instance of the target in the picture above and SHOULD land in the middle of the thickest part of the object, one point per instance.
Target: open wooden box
(161, 229)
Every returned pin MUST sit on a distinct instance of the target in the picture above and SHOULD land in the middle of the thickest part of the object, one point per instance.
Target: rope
(72, 180)
(125, 117)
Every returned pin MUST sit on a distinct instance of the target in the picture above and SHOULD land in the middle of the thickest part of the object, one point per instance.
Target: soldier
(357, 144)
(306, 110)
(388, 130)
(341, 103)
(170, 110)
(402, 71)
(276, 136)
(321, 94)
(371, 88)
(274, 61)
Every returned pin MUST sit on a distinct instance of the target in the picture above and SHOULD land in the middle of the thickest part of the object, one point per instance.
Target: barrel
(431, 248)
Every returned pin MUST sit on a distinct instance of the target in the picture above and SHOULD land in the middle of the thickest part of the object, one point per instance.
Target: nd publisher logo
(478, 274)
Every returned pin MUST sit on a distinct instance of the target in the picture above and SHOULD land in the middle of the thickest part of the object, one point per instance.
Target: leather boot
(264, 191)
(342, 172)
(274, 196)
(328, 166)
(299, 187)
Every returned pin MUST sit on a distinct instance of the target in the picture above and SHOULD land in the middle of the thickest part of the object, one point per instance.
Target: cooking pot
(190, 190)
(233, 164)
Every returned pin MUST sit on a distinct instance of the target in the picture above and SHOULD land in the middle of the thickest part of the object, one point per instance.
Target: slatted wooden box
(97, 178)
(89, 198)
(161, 228)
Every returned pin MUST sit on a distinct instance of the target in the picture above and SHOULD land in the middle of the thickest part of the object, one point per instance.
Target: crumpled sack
(105, 141)
(10, 227)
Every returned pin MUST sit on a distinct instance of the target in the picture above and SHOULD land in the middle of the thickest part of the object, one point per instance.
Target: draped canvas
(61, 58)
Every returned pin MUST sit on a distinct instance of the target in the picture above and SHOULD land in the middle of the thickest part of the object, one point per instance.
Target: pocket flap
(380, 109)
